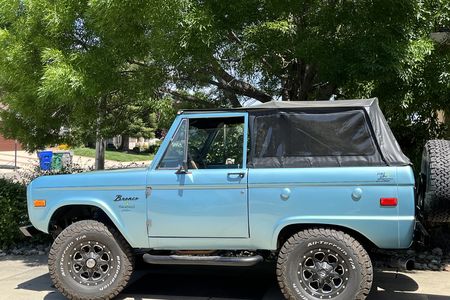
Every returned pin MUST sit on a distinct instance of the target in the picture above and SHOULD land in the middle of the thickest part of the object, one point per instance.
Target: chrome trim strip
(324, 184)
(154, 187)
(355, 218)
(94, 188)
(218, 186)
(199, 187)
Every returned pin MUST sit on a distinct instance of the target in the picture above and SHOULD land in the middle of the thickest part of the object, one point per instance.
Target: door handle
(239, 174)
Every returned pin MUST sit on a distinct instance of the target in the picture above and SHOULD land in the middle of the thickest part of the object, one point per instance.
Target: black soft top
(278, 127)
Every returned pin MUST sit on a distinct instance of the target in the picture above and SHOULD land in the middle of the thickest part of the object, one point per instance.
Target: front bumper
(28, 230)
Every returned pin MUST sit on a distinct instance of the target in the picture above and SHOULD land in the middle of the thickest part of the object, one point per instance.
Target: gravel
(26, 249)
(430, 260)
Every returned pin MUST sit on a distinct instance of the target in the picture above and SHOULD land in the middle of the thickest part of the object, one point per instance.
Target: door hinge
(148, 191)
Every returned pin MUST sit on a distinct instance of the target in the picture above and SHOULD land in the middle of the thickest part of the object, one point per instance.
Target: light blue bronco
(315, 183)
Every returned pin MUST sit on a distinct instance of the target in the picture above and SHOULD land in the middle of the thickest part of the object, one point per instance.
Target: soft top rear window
(312, 138)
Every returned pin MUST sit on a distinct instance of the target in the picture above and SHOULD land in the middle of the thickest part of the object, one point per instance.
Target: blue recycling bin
(45, 160)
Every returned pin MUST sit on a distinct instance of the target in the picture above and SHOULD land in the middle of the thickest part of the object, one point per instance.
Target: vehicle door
(198, 183)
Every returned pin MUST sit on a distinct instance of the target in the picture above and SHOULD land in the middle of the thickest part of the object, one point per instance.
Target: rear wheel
(324, 264)
(89, 260)
(434, 193)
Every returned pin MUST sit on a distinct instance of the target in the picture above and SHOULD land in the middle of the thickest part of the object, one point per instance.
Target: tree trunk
(298, 81)
(325, 91)
(125, 145)
(100, 142)
(100, 146)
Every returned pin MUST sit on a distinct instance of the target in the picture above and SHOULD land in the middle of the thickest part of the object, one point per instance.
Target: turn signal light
(39, 203)
(388, 201)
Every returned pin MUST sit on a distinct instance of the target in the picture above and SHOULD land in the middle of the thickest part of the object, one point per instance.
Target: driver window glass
(216, 143)
(174, 155)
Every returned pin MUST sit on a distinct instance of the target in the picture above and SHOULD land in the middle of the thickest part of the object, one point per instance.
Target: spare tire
(434, 189)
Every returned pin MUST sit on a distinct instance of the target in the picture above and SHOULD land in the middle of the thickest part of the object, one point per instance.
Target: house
(6, 144)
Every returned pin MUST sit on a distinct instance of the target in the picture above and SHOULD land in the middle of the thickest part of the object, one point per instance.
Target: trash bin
(62, 160)
(57, 163)
(67, 159)
(45, 160)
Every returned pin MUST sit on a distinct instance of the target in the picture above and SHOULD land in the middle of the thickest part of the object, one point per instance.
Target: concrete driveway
(27, 278)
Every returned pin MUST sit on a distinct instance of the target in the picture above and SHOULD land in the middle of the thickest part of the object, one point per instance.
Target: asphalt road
(26, 277)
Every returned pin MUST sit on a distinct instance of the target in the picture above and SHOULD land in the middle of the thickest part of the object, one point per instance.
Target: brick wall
(7, 145)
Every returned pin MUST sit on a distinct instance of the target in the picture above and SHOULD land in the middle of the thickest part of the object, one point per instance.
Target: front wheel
(324, 264)
(89, 260)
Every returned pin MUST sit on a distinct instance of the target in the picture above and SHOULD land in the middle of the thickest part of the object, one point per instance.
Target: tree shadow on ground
(28, 260)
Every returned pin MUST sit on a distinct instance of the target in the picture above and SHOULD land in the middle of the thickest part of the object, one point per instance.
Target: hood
(118, 177)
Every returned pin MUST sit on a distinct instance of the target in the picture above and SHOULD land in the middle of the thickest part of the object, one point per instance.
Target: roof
(389, 147)
(296, 104)
(314, 104)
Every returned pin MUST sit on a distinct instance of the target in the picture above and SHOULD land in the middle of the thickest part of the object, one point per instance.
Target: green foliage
(228, 144)
(165, 112)
(13, 212)
(125, 67)
(67, 72)
(152, 149)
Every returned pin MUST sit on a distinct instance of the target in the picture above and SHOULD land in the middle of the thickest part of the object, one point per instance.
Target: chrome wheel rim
(90, 263)
(323, 273)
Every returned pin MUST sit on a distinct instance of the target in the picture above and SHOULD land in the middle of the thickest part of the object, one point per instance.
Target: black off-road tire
(434, 190)
(299, 250)
(93, 240)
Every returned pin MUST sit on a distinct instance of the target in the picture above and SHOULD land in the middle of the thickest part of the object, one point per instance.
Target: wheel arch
(288, 230)
(65, 215)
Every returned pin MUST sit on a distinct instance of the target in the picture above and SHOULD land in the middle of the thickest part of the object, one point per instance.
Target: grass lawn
(113, 155)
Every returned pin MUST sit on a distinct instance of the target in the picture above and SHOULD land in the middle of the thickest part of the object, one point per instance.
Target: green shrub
(13, 212)
(154, 147)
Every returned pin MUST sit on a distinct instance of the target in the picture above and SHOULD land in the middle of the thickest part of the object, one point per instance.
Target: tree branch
(227, 82)
(189, 98)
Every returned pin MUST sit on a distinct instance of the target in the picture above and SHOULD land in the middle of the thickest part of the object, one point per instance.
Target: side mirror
(183, 169)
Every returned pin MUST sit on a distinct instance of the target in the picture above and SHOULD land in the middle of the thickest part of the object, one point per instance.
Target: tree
(62, 68)
(415, 92)
(79, 64)
(290, 50)
(139, 121)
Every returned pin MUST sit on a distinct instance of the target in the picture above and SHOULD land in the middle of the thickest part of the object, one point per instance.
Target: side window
(216, 143)
(213, 143)
(174, 155)
(308, 138)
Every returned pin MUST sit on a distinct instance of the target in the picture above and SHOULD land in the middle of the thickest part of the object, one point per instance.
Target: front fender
(131, 226)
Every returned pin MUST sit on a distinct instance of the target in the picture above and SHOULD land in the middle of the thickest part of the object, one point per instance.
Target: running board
(202, 260)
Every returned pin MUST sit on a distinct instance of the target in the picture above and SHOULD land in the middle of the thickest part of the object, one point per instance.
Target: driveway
(27, 278)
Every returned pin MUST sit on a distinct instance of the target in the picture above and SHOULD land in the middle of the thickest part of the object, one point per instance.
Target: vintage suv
(315, 183)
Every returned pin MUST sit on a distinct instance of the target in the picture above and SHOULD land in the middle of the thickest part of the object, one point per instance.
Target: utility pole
(15, 155)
